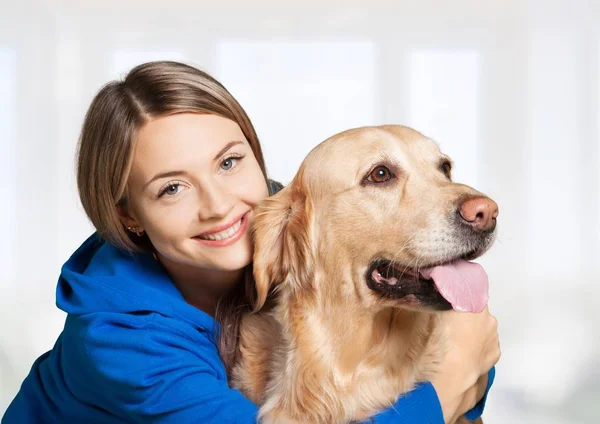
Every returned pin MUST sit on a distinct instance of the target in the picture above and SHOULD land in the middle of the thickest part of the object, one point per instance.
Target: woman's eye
(230, 162)
(380, 174)
(227, 164)
(171, 189)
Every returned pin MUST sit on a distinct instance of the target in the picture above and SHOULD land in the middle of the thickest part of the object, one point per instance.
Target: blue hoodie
(132, 350)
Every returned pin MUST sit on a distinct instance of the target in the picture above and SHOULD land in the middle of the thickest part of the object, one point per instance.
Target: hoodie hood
(100, 278)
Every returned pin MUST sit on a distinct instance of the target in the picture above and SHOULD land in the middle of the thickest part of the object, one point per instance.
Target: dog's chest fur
(303, 370)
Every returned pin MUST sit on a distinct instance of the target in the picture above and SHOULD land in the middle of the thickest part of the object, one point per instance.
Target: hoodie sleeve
(421, 405)
(151, 373)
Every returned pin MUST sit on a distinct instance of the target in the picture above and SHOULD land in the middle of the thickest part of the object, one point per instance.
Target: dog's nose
(480, 212)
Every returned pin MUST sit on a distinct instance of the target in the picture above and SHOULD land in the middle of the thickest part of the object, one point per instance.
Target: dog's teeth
(392, 281)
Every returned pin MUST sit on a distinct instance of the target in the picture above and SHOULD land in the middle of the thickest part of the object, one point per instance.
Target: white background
(510, 89)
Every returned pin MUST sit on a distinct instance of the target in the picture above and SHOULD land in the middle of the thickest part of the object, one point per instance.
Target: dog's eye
(446, 168)
(381, 174)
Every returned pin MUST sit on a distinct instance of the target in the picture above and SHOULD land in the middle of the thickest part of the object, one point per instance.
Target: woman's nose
(215, 202)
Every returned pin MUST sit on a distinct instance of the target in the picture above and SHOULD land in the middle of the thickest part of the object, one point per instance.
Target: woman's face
(192, 187)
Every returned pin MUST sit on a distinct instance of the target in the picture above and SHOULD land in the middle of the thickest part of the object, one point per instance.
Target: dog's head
(373, 215)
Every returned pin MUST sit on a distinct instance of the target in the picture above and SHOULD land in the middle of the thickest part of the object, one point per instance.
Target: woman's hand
(473, 349)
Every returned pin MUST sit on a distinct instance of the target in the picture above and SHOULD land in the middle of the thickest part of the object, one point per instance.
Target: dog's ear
(282, 246)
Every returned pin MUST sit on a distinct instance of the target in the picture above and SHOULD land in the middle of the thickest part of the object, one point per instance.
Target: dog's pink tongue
(463, 284)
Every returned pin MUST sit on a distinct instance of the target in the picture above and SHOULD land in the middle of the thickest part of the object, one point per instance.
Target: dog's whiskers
(398, 253)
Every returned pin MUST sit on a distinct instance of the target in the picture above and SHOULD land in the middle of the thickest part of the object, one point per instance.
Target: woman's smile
(225, 235)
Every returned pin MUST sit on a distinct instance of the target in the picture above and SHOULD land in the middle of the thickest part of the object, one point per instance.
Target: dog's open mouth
(459, 285)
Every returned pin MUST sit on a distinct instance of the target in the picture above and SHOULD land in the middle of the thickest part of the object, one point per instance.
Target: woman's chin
(235, 259)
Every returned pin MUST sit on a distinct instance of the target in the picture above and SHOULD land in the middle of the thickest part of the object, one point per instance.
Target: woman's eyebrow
(227, 147)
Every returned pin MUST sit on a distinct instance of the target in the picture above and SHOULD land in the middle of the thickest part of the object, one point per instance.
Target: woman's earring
(136, 230)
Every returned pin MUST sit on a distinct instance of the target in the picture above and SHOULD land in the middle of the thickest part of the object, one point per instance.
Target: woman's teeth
(224, 235)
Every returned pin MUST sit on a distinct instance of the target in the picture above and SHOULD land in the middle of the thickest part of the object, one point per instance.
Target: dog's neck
(340, 347)
(346, 339)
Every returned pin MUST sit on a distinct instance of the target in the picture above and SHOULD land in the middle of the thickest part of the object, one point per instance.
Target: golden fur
(322, 347)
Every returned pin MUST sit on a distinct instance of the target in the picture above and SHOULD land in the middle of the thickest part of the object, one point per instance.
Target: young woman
(169, 169)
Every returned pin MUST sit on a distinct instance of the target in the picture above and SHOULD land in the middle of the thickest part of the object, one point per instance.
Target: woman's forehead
(183, 140)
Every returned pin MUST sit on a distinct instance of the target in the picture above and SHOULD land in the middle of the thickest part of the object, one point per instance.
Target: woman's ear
(282, 248)
(129, 221)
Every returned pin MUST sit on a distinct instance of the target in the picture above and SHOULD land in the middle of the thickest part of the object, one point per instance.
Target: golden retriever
(354, 262)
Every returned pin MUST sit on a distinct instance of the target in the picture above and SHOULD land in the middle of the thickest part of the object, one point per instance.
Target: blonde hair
(105, 155)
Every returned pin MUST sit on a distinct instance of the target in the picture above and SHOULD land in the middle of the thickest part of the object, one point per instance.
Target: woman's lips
(224, 235)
